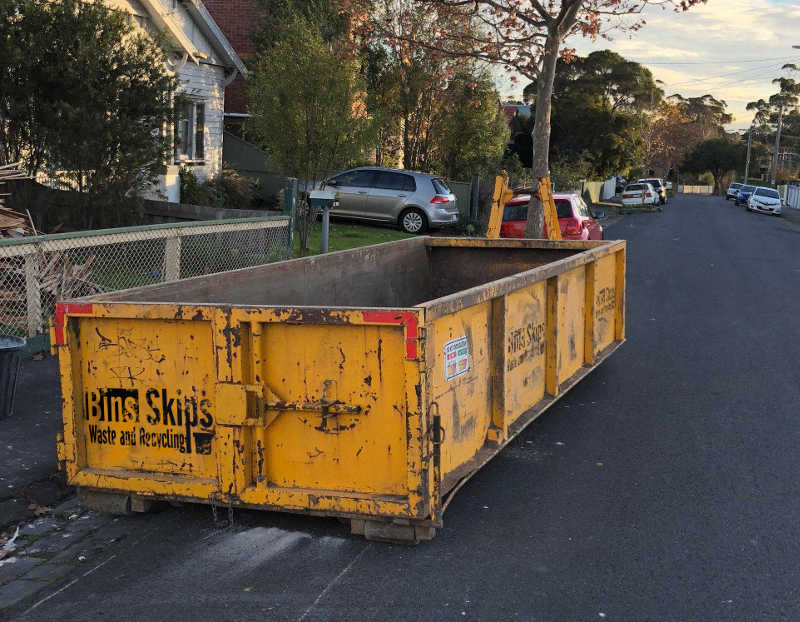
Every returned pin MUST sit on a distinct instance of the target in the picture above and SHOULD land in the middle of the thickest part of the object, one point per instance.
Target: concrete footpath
(44, 535)
(28, 461)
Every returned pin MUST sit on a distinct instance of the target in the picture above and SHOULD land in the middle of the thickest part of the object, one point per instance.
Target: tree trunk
(541, 132)
(717, 182)
(406, 143)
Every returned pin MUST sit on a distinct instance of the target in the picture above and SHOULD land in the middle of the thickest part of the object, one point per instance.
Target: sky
(731, 49)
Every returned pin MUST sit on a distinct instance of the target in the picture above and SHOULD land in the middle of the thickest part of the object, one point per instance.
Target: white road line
(100, 565)
(68, 585)
(46, 598)
(336, 580)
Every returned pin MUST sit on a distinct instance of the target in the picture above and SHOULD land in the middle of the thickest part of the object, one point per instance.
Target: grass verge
(343, 236)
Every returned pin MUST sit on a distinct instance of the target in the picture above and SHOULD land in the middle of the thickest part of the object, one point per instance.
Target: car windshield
(767, 192)
(747, 188)
(634, 187)
(735, 186)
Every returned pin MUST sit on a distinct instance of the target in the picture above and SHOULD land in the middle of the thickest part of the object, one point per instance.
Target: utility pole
(747, 163)
(777, 145)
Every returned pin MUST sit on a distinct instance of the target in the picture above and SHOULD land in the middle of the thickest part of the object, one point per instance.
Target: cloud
(729, 48)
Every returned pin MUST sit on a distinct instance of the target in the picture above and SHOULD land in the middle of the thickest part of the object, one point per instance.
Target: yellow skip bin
(367, 384)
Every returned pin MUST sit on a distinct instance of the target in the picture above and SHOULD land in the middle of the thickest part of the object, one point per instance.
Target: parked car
(575, 219)
(743, 194)
(732, 190)
(765, 201)
(414, 201)
(640, 194)
(658, 185)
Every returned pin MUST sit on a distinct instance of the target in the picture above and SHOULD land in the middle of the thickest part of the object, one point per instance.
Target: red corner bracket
(63, 309)
(406, 319)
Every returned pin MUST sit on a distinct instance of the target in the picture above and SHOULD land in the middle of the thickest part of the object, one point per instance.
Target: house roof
(511, 109)
(205, 23)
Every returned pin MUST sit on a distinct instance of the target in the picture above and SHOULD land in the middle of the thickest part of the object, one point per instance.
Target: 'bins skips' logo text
(162, 419)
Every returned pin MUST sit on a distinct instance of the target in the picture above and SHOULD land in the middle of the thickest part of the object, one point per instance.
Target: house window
(190, 132)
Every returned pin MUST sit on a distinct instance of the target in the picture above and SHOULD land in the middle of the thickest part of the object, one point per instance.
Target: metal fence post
(172, 258)
(33, 294)
(474, 192)
(326, 226)
(290, 208)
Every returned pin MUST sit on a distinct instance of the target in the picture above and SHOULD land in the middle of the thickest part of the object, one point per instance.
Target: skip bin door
(139, 400)
(317, 413)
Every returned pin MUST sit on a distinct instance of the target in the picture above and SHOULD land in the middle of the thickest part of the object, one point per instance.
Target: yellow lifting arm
(502, 194)
(549, 209)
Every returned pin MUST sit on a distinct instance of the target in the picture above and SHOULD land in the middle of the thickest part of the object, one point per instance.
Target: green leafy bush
(228, 190)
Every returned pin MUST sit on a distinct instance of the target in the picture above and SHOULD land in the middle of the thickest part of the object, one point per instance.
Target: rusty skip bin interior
(367, 384)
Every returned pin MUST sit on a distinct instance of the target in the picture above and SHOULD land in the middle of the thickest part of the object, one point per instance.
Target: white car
(732, 190)
(658, 186)
(765, 201)
(640, 194)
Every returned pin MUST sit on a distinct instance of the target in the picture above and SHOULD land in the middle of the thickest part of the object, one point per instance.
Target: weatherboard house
(204, 62)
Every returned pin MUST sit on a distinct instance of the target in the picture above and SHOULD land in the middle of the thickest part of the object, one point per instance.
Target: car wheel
(413, 220)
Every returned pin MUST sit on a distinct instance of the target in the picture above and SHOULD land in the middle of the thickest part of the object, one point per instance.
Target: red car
(574, 218)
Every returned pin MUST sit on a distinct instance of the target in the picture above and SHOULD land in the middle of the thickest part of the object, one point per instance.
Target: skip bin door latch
(325, 407)
(256, 404)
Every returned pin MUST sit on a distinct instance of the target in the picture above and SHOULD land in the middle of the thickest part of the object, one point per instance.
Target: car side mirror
(331, 182)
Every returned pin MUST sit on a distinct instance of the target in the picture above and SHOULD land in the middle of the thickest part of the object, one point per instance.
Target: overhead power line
(728, 61)
(738, 72)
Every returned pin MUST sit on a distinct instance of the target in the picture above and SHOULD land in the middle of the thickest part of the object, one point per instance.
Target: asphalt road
(665, 486)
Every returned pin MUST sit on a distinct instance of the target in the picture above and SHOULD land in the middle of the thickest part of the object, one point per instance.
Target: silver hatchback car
(414, 201)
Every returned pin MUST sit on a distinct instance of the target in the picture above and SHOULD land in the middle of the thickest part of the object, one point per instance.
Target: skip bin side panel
(571, 318)
(605, 302)
(460, 382)
(525, 346)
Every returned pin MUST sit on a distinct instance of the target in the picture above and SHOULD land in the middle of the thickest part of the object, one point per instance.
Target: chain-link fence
(37, 272)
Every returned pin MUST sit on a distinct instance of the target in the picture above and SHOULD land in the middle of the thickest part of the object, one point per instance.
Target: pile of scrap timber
(59, 277)
(12, 224)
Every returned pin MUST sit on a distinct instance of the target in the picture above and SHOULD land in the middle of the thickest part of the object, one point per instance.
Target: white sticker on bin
(456, 358)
